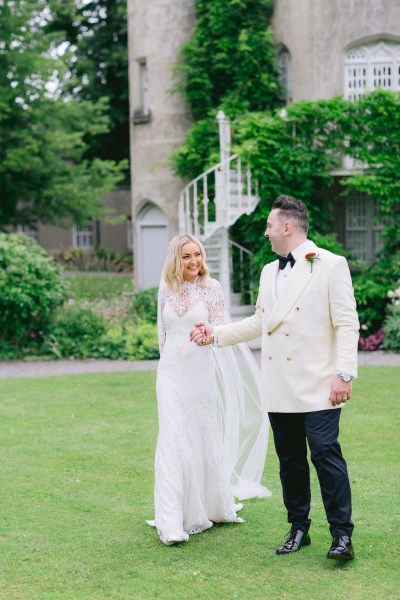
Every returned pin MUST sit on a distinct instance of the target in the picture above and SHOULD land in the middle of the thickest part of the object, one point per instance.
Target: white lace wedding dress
(192, 488)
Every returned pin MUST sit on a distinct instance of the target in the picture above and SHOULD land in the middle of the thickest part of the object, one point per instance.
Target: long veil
(242, 420)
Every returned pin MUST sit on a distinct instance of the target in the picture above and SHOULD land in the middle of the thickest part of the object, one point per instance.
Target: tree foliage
(95, 45)
(44, 137)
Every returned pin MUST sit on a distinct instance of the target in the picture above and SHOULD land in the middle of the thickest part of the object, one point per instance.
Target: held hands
(201, 334)
(340, 391)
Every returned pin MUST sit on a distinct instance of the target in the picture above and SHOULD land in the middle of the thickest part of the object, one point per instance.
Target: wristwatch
(345, 377)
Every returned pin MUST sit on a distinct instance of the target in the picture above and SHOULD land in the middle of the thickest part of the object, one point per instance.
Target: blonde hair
(173, 272)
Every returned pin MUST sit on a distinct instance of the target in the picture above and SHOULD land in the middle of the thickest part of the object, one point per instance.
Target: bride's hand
(197, 334)
(201, 334)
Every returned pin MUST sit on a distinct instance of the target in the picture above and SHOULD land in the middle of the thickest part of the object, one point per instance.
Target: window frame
(361, 64)
(83, 236)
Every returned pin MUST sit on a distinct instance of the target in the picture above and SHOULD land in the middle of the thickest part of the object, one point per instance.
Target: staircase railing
(217, 198)
(242, 273)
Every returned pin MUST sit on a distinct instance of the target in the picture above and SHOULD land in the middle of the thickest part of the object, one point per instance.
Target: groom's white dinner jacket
(308, 334)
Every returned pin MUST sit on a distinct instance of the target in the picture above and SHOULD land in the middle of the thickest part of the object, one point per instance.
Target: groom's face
(275, 232)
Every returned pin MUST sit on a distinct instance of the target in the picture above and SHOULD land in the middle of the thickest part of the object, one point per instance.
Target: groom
(306, 315)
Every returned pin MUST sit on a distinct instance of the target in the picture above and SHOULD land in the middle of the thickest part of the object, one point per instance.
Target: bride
(213, 433)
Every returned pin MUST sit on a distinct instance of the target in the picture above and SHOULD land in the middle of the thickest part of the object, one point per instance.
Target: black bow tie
(283, 260)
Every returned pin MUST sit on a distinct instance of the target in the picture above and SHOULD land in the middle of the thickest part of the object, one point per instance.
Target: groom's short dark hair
(293, 210)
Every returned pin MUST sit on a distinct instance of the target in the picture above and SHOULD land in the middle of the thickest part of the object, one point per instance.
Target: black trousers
(320, 429)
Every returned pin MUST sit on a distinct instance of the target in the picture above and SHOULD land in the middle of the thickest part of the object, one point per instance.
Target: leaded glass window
(371, 66)
(363, 232)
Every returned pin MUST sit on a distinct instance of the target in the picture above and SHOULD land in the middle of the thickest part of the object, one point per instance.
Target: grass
(94, 286)
(76, 487)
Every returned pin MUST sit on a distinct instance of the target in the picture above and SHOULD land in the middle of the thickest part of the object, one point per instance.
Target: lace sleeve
(215, 303)
(162, 332)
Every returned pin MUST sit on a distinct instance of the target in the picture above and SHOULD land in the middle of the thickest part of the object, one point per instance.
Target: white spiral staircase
(208, 206)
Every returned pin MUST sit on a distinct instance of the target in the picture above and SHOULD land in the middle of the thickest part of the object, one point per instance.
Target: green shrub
(98, 259)
(145, 303)
(371, 284)
(142, 342)
(370, 294)
(112, 344)
(32, 320)
(31, 287)
(76, 331)
(391, 328)
(101, 330)
(9, 351)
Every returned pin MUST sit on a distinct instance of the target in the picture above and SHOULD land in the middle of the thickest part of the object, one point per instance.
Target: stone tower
(159, 120)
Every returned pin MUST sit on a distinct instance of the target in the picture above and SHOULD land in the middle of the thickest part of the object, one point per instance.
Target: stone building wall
(318, 32)
(157, 29)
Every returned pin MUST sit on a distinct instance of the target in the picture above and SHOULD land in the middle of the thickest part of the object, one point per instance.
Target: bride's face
(192, 261)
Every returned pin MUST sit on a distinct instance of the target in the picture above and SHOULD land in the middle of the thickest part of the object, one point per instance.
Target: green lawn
(76, 488)
(94, 286)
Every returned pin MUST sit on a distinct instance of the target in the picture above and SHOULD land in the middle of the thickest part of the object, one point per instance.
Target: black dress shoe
(295, 540)
(341, 548)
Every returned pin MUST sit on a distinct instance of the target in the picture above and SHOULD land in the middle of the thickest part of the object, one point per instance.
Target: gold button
(286, 334)
(297, 308)
(288, 358)
(268, 333)
(262, 310)
(269, 357)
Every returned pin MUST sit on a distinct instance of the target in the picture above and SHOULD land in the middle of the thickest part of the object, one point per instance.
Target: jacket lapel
(299, 278)
(269, 285)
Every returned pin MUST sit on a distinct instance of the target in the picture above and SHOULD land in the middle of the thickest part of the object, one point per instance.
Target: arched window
(285, 73)
(371, 66)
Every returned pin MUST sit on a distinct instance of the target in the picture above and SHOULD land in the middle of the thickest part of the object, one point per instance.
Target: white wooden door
(152, 246)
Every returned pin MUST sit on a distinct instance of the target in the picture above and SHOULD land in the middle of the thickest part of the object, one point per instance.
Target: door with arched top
(152, 232)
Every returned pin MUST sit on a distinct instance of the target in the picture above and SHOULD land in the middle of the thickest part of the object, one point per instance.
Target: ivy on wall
(296, 154)
(229, 64)
(230, 60)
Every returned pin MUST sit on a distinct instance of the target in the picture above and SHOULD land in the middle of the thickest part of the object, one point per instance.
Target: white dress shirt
(282, 274)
